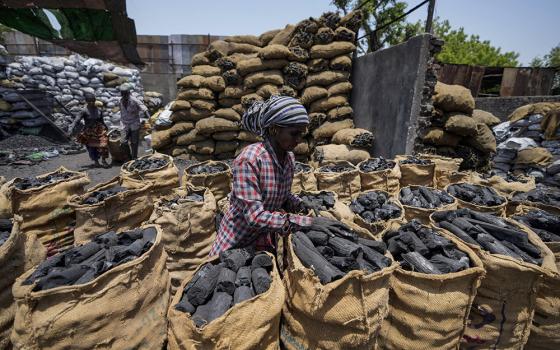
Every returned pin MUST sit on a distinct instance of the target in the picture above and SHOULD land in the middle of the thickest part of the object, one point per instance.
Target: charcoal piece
(488, 218)
(129, 237)
(429, 196)
(4, 235)
(462, 235)
(235, 258)
(344, 263)
(206, 281)
(413, 242)
(219, 304)
(368, 216)
(60, 278)
(357, 207)
(344, 247)
(396, 247)
(207, 169)
(364, 265)
(135, 249)
(242, 293)
(243, 277)
(311, 258)
(201, 315)
(406, 195)
(375, 258)
(318, 238)
(77, 255)
(262, 260)
(325, 251)
(226, 281)
(419, 263)
(376, 164)
(379, 246)
(447, 265)
(261, 280)
(44, 267)
(302, 168)
(442, 215)
(462, 224)
(148, 163)
(524, 256)
(107, 239)
(454, 253)
(88, 276)
(336, 168)
(185, 306)
(414, 160)
(113, 252)
(502, 233)
(494, 246)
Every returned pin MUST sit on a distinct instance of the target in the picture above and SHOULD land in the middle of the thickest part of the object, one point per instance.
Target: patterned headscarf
(277, 110)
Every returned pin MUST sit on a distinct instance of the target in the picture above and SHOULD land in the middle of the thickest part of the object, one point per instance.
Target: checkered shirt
(261, 188)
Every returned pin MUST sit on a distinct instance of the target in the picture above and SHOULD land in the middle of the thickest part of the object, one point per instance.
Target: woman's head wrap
(277, 110)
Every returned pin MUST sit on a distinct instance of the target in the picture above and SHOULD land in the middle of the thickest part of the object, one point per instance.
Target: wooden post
(429, 20)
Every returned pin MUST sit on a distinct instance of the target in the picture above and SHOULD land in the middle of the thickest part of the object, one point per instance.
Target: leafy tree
(551, 59)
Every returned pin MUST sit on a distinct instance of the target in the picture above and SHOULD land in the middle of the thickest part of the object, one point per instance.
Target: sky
(529, 27)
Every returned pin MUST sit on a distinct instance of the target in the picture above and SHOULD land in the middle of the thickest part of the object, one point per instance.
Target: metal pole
(429, 20)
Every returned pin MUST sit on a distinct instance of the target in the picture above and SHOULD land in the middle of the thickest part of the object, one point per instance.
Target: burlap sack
(275, 51)
(211, 125)
(121, 212)
(534, 108)
(228, 113)
(331, 50)
(248, 136)
(453, 98)
(200, 59)
(218, 183)
(461, 124)
(379, 226)
(538, 156)
(204, 147)
(45, 211)
(430, 311)
(312, 94)
(340, 211)
(504, 306)
(124, 308)
(348, 136)
(345, 184)
(423, 214)
(267, 90)
(387, 180)
(164, 179)
(257, 64)
(245, 39)
(5, 201)
(206, 71)
(253, 324)
(415, 174)
(304, 181)
(242, 48)
(344, 314)
(328, 103)
(256, 79)
(344, 88)
(234, 92)
(328, 129)
(283, 37)
(266, 37)
(188, 232)
(503, 187)
(343, 63)
(484, 139)
(17, 255)
(200, 93)
(439, 137)
(446, 168)
(161, 139)
(499, 210)
(484, 117)
(203, 105)
(181, 128)
(326, 78)
(215, 83)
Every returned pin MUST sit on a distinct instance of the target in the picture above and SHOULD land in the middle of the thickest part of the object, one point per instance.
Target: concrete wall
(502, 107)
(386, 94)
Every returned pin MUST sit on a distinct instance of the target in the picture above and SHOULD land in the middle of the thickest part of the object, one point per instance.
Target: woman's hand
(332, 228)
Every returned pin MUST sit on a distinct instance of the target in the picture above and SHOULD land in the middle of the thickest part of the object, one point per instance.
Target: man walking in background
(131, 110)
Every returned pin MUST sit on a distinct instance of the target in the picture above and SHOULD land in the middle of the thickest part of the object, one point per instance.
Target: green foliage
(551, 59)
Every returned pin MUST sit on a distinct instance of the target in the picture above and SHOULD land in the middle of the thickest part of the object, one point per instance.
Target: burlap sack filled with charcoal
(157, 168)
(514, 258)
(505, 187)
(42, 204)
(419, 202)
(246, 321)
(18, 253)
(304, 178)
(333, 153)
(432, 290)
(5, 200)
(447, 169)
(379, 174)
(186, 218)
(416, 171)
(340, 177)
(354, 137)
(122, 308)
(542, 197)
(119, 152)
(335, 301)
(325, 204)
(477, 197)
(111, 206)
(216, 176)
(376, 210)
(453, 98)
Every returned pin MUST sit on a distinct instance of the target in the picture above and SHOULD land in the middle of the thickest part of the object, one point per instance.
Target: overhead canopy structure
(97, 28)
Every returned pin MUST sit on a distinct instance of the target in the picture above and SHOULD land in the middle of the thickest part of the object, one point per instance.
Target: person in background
(131, 111)
(94, 135)
(261, 198)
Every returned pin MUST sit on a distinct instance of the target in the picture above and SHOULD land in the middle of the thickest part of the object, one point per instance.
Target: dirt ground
(76, 162)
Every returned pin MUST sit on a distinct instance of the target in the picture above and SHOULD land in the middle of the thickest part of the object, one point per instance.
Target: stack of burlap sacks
(458, 130)
(310, 61)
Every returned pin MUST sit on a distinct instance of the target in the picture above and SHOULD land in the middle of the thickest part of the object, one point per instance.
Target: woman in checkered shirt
(261, 200)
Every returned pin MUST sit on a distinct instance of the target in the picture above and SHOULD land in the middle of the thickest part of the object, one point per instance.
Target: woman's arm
(246, 189)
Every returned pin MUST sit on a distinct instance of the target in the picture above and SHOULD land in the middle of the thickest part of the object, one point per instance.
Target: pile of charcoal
(544, 224)
(333, 252)
(540, 194)
(214, 289)
(489, 232)
(174, 202)
(147, 163)
(419, 248)
(208, 169)
(424, 197)
(476, 194)
(414, 160)
(82, 264)
(99, 196)
(336, 168)
(376, 164)
(317, 201)
(5, 230)
(302, 168)
(34, 182)
(375, 206)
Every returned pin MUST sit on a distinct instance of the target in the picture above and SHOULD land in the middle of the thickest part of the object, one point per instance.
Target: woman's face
(288, 138)
(91, 102)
